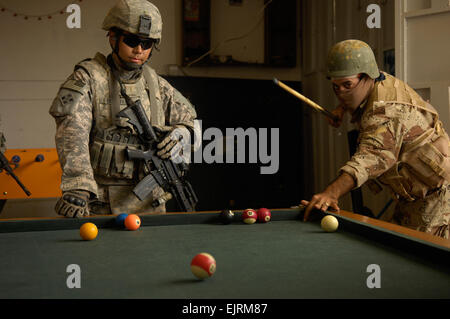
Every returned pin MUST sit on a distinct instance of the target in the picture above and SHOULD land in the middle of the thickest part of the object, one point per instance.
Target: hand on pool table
(322, 201)
(329, 197)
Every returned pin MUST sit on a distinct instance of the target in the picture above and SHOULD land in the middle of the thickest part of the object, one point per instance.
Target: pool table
(285, 258)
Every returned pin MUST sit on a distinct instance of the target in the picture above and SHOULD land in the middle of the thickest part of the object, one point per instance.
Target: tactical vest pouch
(430, 163)
(105, 159)
(108, 154)
(402, 183)
(95, 153)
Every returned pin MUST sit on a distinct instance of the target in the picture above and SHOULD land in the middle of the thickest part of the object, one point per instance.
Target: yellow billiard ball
(329, 223)
(88, 231)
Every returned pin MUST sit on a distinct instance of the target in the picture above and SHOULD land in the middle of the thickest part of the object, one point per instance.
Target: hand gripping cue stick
(314, 105)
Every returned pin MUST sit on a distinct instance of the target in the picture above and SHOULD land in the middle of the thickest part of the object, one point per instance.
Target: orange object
(88, 231)
(132, 222)
(37, 168)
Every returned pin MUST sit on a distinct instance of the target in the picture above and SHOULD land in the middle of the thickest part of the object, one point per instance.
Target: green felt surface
(281, 259)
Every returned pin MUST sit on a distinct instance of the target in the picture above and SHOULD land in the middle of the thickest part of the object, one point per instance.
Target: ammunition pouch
(423, 167)
(108, 153)
(398, 178)
(430, 163)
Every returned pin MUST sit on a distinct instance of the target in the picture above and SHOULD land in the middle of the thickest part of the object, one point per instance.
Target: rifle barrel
(5, 165)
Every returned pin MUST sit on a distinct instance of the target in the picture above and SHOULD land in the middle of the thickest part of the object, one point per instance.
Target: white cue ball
(329, 223)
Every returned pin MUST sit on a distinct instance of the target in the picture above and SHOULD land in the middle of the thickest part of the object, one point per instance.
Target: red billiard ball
(263, 215)
(132, 222)
(249, 216)
(203, 265)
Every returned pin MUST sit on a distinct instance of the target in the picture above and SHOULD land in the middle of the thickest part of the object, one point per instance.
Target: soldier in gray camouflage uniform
(401, 142)
(97, 177)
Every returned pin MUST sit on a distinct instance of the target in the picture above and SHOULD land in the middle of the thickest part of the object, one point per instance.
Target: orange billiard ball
(132, 222)
(88, 231)
(203, 265)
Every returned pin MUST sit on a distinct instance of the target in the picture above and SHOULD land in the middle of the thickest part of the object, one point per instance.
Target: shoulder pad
(93, 66)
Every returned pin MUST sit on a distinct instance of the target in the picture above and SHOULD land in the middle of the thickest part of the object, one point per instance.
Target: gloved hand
(73, 203)
(172, 144)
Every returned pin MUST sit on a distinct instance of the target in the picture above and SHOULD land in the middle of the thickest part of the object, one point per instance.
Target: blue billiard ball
(120, 219)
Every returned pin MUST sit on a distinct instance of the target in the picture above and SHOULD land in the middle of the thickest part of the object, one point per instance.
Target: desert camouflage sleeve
(72, 110)
(379, 144)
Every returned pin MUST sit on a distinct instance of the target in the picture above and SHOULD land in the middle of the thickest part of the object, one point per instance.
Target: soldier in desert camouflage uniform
(401, 142)
(91, 140)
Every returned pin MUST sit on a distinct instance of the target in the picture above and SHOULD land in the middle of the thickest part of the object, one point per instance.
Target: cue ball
(263, 215)
(120, 219)
(329, 223)
(203, 265)
(88, 231)
(132, 222)
(249, 216)
(226, 216)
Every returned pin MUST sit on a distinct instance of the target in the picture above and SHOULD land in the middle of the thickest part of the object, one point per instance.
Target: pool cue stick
(306, 100)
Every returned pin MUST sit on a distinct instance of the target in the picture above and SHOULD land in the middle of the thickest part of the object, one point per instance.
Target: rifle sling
(114, 93)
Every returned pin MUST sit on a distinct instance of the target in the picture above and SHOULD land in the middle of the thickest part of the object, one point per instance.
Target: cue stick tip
(275, 80)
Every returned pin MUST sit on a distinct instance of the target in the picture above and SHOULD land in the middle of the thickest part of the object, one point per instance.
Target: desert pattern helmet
(139, 17)
(351, 57)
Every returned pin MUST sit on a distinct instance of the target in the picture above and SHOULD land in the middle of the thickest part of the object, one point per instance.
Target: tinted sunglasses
(133, 41)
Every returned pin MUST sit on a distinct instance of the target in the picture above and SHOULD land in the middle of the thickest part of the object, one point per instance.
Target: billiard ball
(120, 219)
(329, 223)
(263, 215)
(88, 231)
(226, 216)
(132, 222)
(249, 216)
(203, 265)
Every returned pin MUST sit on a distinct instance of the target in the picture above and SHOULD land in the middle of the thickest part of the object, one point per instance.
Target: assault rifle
(167, 174)
(4, 164)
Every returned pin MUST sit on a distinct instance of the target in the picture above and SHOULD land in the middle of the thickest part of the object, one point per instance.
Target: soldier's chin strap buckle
(145, 24)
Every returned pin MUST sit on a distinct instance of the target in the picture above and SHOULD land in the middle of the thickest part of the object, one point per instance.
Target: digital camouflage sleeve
(72, 110)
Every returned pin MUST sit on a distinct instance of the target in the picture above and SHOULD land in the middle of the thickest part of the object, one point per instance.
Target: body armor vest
(110, 135)
(424, 164)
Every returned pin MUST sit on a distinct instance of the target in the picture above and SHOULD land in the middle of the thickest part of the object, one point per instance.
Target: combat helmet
(139, 17)
(350, 57)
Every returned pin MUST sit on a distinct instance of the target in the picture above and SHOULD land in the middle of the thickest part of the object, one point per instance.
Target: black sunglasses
(133, 41)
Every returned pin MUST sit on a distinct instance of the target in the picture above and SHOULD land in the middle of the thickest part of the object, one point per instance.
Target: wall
(37, 56)
(422, 39)
(417, 29)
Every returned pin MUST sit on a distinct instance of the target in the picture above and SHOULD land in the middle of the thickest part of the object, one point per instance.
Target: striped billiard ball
(203, 265)
(249, 216)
